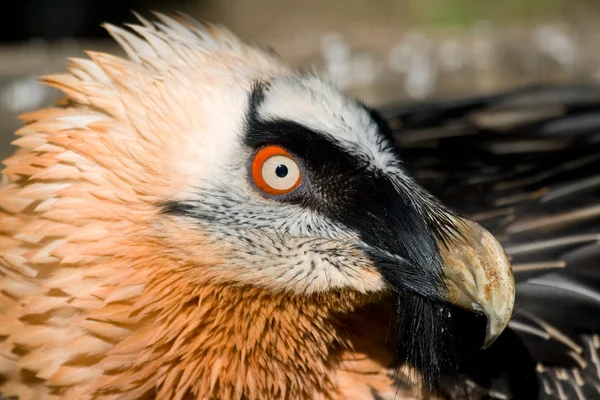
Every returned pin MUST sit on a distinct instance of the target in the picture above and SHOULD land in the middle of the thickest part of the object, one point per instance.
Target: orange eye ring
(274, 171)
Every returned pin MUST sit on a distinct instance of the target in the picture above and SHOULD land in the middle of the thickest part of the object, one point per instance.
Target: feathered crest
(180, 41)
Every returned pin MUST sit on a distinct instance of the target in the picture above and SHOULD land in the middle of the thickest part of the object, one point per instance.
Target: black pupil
(281, 171)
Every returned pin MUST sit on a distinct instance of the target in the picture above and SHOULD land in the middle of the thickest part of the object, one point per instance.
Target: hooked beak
(479, 277)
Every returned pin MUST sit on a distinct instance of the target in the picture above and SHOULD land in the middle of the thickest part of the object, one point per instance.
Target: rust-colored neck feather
(232, 343)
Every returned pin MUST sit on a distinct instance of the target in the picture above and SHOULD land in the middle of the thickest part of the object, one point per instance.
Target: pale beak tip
(493, 331)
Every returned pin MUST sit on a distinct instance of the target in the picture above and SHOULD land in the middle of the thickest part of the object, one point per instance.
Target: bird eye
(274, 171)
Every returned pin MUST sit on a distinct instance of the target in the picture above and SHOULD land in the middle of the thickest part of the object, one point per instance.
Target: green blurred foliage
(461, 13)
(419, 13)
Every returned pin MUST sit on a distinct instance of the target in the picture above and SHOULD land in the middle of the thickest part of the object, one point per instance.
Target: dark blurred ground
(378, 50)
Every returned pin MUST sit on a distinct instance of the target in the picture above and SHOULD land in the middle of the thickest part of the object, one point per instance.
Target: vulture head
(198, 220)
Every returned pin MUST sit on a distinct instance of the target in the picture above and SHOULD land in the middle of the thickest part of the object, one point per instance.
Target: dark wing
(526, 165)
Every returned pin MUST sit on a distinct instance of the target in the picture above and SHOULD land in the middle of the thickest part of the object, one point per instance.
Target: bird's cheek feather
(479, 277)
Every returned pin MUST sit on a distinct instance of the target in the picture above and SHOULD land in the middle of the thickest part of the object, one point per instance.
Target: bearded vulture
(198, 220)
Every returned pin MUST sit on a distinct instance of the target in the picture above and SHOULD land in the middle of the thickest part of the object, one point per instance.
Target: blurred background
(378, 50)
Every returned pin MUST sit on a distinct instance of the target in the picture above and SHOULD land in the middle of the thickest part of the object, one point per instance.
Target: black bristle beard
(438, 340)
